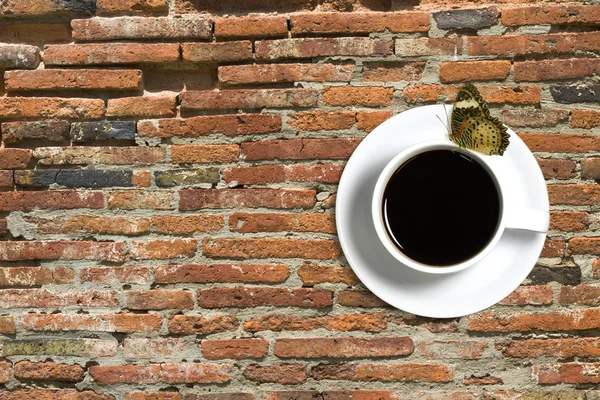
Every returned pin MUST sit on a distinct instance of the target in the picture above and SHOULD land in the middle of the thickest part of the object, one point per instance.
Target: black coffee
(441, 208)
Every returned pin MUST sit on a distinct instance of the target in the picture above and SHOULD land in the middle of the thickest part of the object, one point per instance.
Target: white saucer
(440, 296)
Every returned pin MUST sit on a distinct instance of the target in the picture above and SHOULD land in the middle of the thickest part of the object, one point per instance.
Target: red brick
(474, 70)
(115, 275)
(163, 28)
(271, 222)
(452, 349)
(556, 15)
(80, 224)
(569, 221)
(198, 325)
(584, 294)
(360, 298)
(368, 322)
(156, 348)
(566, 373)
(37, 34)
(234, 348)
(356, 23)
(590, 168)
(80, 79)
(571, 320)
(5, 372)
(3, 227)
(557, 169)
(141, 199)
(392, 72)
(153, 396)
(35, 276)
(196, 199)
(428, 46)
(529, 295)
(7, 325)
(563, 348)
(348, 96)
(12, 108)
(574, 194)
(511, 45)
(6, 180)
(115, 7)
(545, 70)
(248, 98)
(50, 200)
(406, 372)
(284, 374)
(369, 120)
(230, 273)
(84, 155)
(482, 380)
(561, 143)
(67, 250)
(300, 149)
(14, 158)
(110, 53)
(585, 119)
(207, 153)
(553, 248)
(321, 47)
(163, 373)
(163, 249)
(48, 371)
(312, 274)
(491, 94)
(55, 394)
(235, 124)
(142, 107)
(251, 27)
(343, 347)
(282, 73)
(217, 51)
(434, 325)
(123, 323)
(263, 296)
(271, 247)
(158, 299)
(190, 224)
(322, 120)
(42, 298)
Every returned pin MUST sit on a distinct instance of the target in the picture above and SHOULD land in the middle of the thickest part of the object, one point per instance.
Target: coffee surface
(441, 208)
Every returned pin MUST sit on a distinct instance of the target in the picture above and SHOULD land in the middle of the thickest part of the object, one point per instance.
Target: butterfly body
(473, 127)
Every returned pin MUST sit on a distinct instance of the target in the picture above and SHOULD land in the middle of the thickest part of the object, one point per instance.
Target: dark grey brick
(461, 19)
(39, 132)
(575, 94)
(103, 130)
(562, 275)
(186, 177)
(19, 56)
(79, 6)
(87, 178)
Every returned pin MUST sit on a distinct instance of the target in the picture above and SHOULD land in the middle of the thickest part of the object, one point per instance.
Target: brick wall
(167, 189)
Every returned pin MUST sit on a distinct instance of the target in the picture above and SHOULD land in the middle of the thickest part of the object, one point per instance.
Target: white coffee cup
(511, 216)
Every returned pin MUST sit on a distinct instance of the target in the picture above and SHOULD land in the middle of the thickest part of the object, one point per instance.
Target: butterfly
(472, 126)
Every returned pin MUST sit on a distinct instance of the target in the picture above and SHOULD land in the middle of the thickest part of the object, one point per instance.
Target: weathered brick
(14, 158)
(248, 98)
(102, 130)
(142, 107)
(476, 18)
(19, 133)
(227, 6)
(196, 199)
(392, 71)
(397, 372)
(313, 274)
(208, 153)
(47, 7)
(234, 348)
(347, 96)
(510, 45)
(529, 295)
(98, 29)
(452, 349)
(198, 325)
(35, 276)
(85, 178)
(569, 221)
(428, 46)
(271, 222)
(299, 149)
(67, 250)
(42, 298)
(372, 322)
(92, 322)
(474, 70)
(321, 47)
(571, 320)
(55, 394)
(327, 173)
(115, 7)
(271, 247)
(281, 73)
(7, 327)
(564, 348)
(551, 14)
(19, 56)
(491, 94)
(343, 347)
(572, 372)
(553, 248)
(164, 373)
(574, 194)
(188, 224)
(186, 177)
(60, 347)
(48, 371)
(69, 79)
(563, 143)
(575, 94)
(153, 396)
(434, 325)
(369, 120)
(251, 27)
(12, 108)
(482, 380)
(217, 51)
(360, 298)
(88, 155)
(136, 199)
(557, 169)
(586, 294)
(585, 119)
(322, 120)
(534, 118)
(263, 296)
(163, 249)
(50, 200)
(115, 275)
(230, 273)
(284, 374)
(110, 53)
(356, 23)
(6, 183)
(544, 70)
(584, 245)
(20, 33)
(154, 348)
(158, 299)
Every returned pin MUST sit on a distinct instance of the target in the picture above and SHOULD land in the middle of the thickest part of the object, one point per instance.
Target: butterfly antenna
(446, 125)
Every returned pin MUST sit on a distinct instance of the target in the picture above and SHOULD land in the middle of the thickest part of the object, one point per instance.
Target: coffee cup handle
(528, 219)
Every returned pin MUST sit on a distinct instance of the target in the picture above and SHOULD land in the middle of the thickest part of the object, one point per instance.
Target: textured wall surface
(168, 172)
